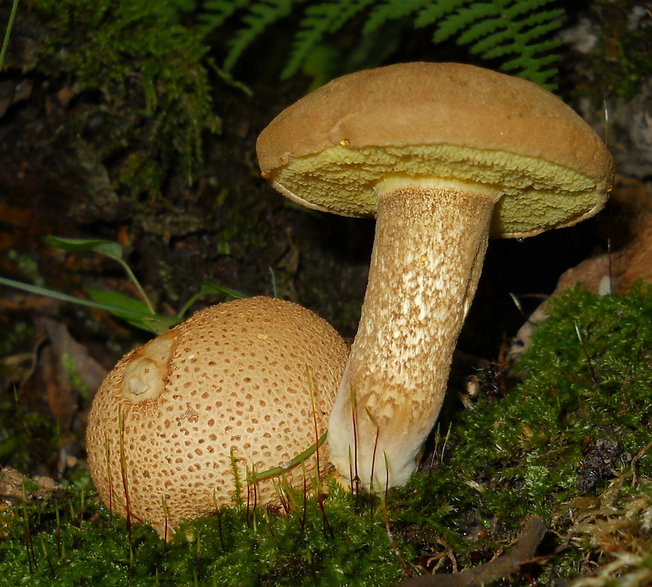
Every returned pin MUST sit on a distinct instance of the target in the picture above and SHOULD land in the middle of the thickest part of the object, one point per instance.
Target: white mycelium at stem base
(430, 243)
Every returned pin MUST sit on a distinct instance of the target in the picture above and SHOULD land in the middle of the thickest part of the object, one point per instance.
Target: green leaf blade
(79, 245)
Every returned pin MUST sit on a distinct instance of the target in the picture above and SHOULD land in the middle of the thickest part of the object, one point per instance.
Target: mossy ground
(565, 436)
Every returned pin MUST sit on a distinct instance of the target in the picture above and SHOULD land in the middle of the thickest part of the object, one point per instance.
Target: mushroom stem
(431, 238)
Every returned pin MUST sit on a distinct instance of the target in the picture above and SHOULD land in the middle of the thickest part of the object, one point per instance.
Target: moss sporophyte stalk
(520, 452)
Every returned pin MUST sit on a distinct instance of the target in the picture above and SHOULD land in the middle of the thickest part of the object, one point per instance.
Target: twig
(500, 568)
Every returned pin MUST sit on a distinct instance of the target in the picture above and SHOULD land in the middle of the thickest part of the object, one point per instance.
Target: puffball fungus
(233, 386)
(444, 155)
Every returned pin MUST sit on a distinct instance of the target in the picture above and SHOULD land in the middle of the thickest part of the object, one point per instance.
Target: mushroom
(444, 155)
(228, 392)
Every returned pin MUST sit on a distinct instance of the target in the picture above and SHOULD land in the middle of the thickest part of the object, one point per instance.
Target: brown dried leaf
(63, 373)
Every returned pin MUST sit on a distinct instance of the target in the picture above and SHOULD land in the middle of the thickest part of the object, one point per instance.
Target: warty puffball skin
(231, 380)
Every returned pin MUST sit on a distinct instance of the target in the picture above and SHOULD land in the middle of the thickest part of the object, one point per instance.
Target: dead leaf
(64, 376)
(16, 487)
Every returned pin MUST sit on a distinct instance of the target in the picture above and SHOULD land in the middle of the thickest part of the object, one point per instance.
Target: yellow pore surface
(536, 194)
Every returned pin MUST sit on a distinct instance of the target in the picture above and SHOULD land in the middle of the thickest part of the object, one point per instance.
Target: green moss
(586, 378)
(143, 83)
(306, 546)
(27, 266)
(28, 439)
(76, 541)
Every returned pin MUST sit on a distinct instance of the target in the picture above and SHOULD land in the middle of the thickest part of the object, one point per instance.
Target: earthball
(235, 389)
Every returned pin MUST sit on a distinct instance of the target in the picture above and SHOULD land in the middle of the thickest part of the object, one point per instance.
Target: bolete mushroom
(444, 155)
(231, 387)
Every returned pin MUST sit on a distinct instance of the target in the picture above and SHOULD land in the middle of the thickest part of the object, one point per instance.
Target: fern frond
(312, 29)
(327, 17)
(495, 42)
(542, 24)
(499, 28)
(517, 31)
(537, 70)
(262, 14)
(467, 19)
(436, 11)
(392, 10)
(530, 7)
(542, 31)
(216, 12)
(348, 11)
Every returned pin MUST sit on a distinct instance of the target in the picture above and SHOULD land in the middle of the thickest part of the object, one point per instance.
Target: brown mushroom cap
(448, 120)
(232, 379)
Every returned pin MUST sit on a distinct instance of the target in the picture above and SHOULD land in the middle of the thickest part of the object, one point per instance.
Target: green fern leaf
(463, 20)
(542, 49)
(216, 12)
(392, 10)
(500, 28)
(488, 28)
(524, 32)
(262, 14)
(526, 46)
(534, 69)
(347, 11)
(524, 7)
(517, 31)
(312, 29)
(320, 19)
(493, 42)
(436, 11)
(548, 23)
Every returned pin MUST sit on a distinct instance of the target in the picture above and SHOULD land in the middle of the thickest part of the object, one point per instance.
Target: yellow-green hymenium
(444, 156)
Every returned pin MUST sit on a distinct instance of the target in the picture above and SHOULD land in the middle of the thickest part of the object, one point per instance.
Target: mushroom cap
(441, 120)
(231, 380)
